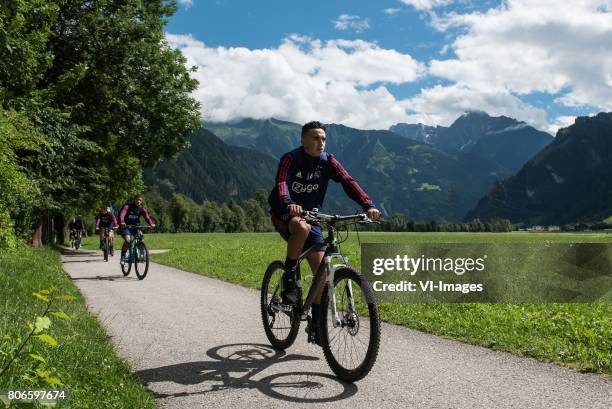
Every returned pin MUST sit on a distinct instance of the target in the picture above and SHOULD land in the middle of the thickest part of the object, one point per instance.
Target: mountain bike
(75, 241)
(137, 253)
(349, 320)
(108, 246)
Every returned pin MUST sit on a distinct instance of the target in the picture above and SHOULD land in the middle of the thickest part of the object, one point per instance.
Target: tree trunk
(40, 236)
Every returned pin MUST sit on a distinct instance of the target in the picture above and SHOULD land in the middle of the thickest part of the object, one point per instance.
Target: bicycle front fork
(331, 288)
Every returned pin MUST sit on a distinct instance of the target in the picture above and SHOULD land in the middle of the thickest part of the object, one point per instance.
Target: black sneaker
(314, 332)
(289, 294)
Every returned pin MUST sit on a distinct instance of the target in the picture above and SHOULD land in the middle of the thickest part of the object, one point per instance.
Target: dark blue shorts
(129, 231)
(315, 237)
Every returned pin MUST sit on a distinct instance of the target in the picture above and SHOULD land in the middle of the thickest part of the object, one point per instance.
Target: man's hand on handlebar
(373, 213)
(295, 210)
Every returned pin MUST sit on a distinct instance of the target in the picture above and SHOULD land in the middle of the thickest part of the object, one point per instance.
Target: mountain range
(480, 166)
(210, 169)
(504, 140)
(567, 182)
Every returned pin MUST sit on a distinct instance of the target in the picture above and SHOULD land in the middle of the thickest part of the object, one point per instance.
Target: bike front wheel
(351, 345)
(126, 266)
(141, 263)
(281, 325)
(105, 249)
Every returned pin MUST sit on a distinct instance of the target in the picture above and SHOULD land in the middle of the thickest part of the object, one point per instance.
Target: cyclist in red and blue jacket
(129, 218)
(301, 184)
(105, 220)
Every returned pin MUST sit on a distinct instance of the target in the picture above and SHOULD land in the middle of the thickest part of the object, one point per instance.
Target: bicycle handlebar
(315, 216)
(130, 226)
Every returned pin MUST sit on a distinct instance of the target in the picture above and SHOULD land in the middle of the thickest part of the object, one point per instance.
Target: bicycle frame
(137, 238)
(326, 266)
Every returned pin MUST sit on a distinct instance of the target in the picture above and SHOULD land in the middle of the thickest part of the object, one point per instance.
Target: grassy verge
(578, 335)
(83, 359)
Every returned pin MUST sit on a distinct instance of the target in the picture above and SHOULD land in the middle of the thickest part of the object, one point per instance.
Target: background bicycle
(108, 245)
(75, 239)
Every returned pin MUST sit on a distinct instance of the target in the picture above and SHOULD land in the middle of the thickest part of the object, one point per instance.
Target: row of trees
(182, 214)
(90, 93)
(398, 222)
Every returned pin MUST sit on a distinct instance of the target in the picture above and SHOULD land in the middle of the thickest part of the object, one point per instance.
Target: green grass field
(83, 359)
(578, 335)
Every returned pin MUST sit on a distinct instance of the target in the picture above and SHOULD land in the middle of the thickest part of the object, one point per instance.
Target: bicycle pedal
(285, 307)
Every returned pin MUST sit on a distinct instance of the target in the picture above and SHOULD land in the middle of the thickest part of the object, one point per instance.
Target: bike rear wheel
(77, 242)
(281, 326)
(141, 263)
(351, 348)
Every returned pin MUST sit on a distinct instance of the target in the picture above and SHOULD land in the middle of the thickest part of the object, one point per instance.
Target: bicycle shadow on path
(118, 277)
(235, 365)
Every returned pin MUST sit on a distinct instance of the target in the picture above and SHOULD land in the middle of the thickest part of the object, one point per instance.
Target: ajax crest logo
(297, 187)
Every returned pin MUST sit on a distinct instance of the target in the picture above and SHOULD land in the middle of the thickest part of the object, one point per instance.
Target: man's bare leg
(299, 230)
(315, 261)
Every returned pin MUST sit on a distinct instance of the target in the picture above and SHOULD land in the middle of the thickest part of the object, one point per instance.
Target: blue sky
(370, 64)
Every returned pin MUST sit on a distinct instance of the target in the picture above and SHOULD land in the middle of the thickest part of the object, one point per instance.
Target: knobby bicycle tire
(127, 265)
(270, 293)
(363, 366)
(105, 249)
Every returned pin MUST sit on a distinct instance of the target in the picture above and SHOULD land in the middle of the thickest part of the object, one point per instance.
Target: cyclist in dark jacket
(301, 184)
(105, 220)
(77, 224)
(130, 215)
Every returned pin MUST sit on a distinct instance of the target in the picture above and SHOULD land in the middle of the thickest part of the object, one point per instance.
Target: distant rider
(105, 220)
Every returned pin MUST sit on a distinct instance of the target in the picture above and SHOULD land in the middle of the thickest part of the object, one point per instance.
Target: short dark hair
(312, 125)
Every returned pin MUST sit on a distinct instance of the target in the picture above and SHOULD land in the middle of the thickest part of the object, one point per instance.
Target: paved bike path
(198, 342)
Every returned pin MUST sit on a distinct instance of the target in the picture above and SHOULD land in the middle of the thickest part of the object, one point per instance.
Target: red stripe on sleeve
(146, 216)
(346, 179)
(122, 215)
(283, 191)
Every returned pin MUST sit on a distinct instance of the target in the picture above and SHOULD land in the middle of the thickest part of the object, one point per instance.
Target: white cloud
(348, 22)
(561, 121)
(426, 4)
(441, 105)
(186, 3)
(303, 79)
(525, 46)
(390, 11)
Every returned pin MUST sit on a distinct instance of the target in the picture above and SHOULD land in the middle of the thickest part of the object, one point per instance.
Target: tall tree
(100, 82)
